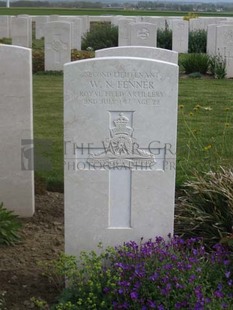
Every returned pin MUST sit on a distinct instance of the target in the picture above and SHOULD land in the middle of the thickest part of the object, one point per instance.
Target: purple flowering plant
(156, 274)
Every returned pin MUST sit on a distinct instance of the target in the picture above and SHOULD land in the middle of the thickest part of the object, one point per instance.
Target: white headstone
(103, 18)
(4, 26)
(159, 22)
(57, 45)
(21, 31)
(224, 47)
(40, 25)
(139, 51)
(76, 30)
(143, 34)
(211, 40)
(120, 118)
(53, 18)
(180, 36)
(169, 20)
(16, 152)
(202, 23)
(123, 31)
(85, 23)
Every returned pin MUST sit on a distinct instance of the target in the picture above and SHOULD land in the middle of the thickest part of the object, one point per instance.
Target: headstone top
(139, 51)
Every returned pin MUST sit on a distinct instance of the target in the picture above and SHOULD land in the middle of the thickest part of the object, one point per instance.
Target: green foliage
(2, 300)
(164, 38)
(9, 227)
(103, 35)
(86, 280)
(37, 44)
(197, 41)
(37, 61)
(78, 55)
(206, 208)
(195, 75)
(217, 66)
(195, 63)
(6, 41)
(39, 303)
(158, 274)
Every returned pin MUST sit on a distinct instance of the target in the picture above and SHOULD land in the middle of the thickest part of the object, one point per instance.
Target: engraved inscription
(143, 33)
(57, 45)
(122, 88)
(121, 148)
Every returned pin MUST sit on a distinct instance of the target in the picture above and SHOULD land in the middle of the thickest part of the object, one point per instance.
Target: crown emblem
(119, 150)
(121, 127)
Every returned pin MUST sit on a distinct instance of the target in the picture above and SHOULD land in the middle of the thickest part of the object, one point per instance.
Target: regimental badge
(121, 149)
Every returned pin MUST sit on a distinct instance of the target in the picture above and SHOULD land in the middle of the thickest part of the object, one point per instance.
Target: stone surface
(139, 51)
(76, 30)
(123, 31)
(16, 153)
(211, 40)
(53, 18)
(21, 31)
(180, 36)
(143, 34)
(4, 26)
(224, 46)
(202, 23)
(159, 22)
(57, 45)
(120, 118)
(103, 18)
(85, 23)
(40, 25)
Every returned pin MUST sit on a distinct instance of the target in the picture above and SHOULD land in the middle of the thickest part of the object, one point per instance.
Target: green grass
(107, 11)
(205, 126)
(48, 129)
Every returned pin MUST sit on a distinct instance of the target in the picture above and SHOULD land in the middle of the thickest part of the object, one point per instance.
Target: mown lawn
(205, 127)
(107, 11)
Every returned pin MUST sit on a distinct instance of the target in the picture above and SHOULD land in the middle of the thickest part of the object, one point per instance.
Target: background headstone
(139, 51)
(143, 34)
(224, 47)
(16, 132)
(211, 40)
(120, 118)
(76, 30)
(123, 31)
(4, 26)
(180, 36)
(21, 31)
(159, 22)
(40, 24)
(57, 45)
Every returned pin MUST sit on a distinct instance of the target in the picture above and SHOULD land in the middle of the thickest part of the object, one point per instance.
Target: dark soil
(21, 278)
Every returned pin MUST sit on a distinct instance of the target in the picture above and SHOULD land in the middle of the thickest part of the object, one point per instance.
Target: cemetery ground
(205, 142)
(204, 136)
(41, 241)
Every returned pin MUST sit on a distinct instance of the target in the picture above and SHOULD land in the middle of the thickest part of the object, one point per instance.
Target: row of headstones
(8, 24)
(220, 43)
(19, 28)
(63, 33)
(120, 119)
